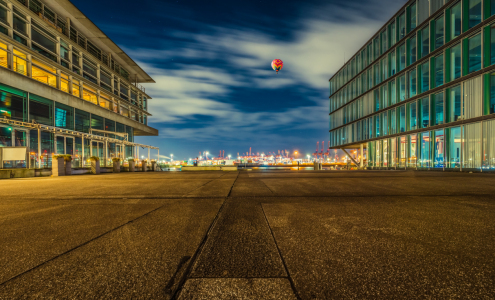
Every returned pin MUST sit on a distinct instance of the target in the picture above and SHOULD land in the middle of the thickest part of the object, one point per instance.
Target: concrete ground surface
(249, 235)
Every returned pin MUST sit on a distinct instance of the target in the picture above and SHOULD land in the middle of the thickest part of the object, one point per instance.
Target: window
(438, 161)
(439, 32)
(402, 117)
(438, 106)
(412, 83)
(376, 69)
(97, 122)
(492, 45)
(413, 115)
(64, 116)
(454, 147)
(105, 101)
(82, 121)
(402, 57)
(124, 91)
(64, 82)
(474, 13)
(3, 15)
(41, 110)
(377, 125)
(402, 88)
(3, 55)
(393, 68)
(44, 73)
(12, 106)
(393, 121)
(439, 78)
(455, 103)
(90, 95)
(413, 14)
(492, 7)
(412, 50)
(384, 41)
(20, 62)
(475, 53)
(45, 42)
(425, 150)
(402, 26)
(393, 92)
(492, 93)
(455, 62)
(376, 46)
(76, 88)
(425, 77)
(90, 70)
(425, 41)
(424, 116)
(20, 25)
(456, 24)
(392, 33)
(376, 94)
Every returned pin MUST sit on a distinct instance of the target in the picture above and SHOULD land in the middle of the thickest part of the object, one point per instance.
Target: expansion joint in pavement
(79, 246)
(281, 257)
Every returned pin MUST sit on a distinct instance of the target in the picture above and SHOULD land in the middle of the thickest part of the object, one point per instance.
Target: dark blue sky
(211, 60)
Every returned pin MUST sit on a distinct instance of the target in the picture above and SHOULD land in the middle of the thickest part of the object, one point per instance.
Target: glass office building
(421, 93)
(66, 88)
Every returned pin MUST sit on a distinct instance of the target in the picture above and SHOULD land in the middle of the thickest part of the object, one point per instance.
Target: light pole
(308, 157)
(171, 157)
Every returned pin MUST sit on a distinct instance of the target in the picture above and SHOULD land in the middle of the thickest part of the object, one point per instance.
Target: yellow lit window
(104, 103)
(45, 77)
(115, 108)
(88, 96)
(3, 45)
(20, 54)
(44, 66)
(76, 90)
(66, 77)
(3, 58)
(20, 63)
(86, 87)
(64, 85)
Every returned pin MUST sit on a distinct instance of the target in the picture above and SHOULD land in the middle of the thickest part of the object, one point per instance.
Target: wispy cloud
(201, 81)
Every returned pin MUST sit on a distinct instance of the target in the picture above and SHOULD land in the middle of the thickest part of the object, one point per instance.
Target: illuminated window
(64, 83)
(124, 111)
(105, 101)
(43, 75)
(89, 94)
(76, 90)
(20, 63)
(3, 55)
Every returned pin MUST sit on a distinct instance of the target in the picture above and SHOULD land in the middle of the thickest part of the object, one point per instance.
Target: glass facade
(438, 90)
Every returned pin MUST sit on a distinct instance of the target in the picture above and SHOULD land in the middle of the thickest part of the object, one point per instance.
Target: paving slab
(143, 259)
(387, 248)
(237, 288)
(239, 245)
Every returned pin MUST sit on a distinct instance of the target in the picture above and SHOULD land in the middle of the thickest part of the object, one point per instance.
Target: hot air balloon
(277, 65)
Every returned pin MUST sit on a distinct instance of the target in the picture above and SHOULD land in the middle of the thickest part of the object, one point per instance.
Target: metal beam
(352, 159)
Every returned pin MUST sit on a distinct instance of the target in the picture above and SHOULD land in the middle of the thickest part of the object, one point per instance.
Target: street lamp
(229, 156)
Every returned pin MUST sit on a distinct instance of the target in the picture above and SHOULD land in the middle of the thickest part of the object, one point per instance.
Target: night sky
(211, 60)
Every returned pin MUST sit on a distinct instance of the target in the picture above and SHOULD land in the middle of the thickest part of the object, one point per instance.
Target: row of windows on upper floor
(470, 99)
(468, 56)
(57, 22)
(456, 19)
(35, 37)
(32, 67)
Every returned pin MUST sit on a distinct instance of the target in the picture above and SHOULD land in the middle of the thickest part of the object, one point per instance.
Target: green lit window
(393, 121)
(439, 76)
(475, 53)
(393, 67)
(377, 125)
(402, 88)
(474, 12)
(492, 45)
(402, 26)
(385, 123)
(425, 41)
(413, 111)
(455, 62)
(425, 77)
(492, 93)
(455, 103)
(64, 116)
(424, 112)
(439, 32)
(384, 41)
(402, 57)
(393, 36)
(413, 16)
(412, 83)
(438, 106)
(402, 118)
(412, 50)
(456, 24)
(393, 92)
(438, 161)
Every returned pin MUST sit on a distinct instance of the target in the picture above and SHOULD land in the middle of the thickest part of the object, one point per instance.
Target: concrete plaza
(249, 235)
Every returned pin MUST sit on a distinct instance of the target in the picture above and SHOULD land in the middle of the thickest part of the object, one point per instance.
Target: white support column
(82, 152)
